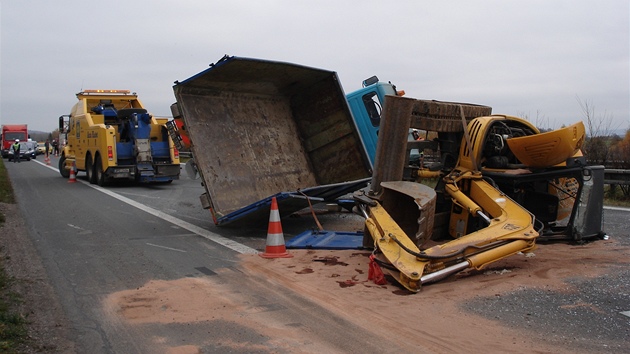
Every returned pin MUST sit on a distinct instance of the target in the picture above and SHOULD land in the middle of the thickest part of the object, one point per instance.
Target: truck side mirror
(370, 81)
(64, 126)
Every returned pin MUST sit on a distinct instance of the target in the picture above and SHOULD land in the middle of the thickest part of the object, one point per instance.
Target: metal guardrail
(616, 176)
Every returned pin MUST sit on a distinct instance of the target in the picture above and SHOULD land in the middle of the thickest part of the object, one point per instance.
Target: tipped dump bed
(259, 128)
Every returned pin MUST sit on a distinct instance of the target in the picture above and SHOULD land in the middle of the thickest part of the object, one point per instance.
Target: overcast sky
(537, 59)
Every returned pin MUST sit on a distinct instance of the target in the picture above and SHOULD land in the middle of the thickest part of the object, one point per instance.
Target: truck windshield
(373, 107)
(15, 135)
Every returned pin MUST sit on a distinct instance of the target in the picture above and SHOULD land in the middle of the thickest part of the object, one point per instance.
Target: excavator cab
(544, 172)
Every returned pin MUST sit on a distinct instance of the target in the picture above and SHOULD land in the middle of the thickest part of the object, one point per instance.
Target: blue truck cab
(366, 105)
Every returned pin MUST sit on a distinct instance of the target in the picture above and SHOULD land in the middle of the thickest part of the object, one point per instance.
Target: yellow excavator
(509, 186)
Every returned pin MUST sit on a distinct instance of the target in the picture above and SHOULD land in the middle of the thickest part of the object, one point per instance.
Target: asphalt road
(94, 242)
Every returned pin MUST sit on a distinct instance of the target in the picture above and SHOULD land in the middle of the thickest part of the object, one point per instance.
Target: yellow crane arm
(510, 230)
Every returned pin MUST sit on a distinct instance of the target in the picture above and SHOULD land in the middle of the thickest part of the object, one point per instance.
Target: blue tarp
(290, 202)
(327, 240)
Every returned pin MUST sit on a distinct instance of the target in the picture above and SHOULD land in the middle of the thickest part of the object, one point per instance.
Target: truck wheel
(101, 180)
(89, 170)
(62, 167)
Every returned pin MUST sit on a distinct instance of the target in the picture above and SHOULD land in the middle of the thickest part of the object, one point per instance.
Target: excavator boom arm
(510, 231)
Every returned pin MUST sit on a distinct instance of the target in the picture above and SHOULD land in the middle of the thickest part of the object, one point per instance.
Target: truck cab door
(79, 155)
(366, 106)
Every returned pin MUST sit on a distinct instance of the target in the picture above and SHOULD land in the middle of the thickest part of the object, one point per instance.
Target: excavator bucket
(412, 206)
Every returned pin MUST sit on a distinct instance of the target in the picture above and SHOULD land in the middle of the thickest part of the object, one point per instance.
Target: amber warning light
(107, 91)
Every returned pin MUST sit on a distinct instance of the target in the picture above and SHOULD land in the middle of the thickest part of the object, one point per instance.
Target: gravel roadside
(47, 324)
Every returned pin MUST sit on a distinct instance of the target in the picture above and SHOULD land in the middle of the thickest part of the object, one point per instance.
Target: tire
(62, 167)
(89, 170)
(101, 180)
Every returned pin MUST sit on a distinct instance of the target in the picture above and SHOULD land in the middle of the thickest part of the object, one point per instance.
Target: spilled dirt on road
(433, 320)
(215, 316)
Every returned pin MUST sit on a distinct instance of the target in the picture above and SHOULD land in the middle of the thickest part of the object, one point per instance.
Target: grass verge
(13, 326)
(6, 191)
(616, 197)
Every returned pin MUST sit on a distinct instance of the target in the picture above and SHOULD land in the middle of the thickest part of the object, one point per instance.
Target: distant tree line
(602, 147)
(611, 151)
(40, 136)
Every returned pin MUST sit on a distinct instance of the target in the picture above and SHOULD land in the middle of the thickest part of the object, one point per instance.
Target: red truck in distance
(11, 132)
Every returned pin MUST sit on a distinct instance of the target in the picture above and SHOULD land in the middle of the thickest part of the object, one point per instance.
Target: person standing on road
(47, 147)
(16, 151)
(55, 147)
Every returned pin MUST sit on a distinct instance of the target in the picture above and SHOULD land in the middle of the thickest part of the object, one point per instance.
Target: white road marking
(616, 208)
(138, 195)
(233, 245)
(168, 248)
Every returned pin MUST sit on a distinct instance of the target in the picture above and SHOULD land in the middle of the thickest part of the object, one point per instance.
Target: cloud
(529, 57)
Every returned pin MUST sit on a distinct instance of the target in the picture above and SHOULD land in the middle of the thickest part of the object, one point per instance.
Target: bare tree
(596, 125)
(598, 129)
(540, 121)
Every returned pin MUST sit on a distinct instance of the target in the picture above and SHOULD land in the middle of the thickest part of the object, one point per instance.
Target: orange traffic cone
(47, 161)
(275, 247)
(73, 176)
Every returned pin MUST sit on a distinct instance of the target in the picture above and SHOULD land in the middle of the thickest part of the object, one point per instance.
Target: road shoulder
(47, 324)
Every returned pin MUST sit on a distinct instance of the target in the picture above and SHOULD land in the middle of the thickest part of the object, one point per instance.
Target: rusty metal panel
(438, 116)
(260, 127)
(402, 113)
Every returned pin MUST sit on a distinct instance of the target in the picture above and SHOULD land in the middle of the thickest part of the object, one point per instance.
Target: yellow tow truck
(111, 136)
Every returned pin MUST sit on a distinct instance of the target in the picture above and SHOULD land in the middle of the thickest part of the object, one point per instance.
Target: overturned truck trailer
(260, 129)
